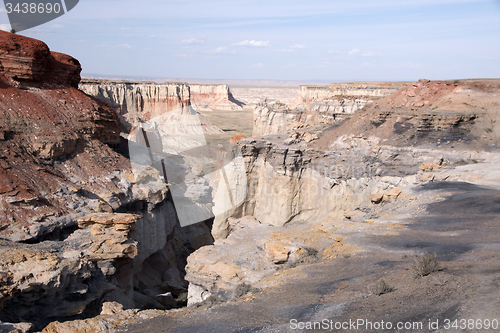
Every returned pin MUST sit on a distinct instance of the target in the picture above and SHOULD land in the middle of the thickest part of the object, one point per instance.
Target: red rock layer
(28, 61)
(47, 136)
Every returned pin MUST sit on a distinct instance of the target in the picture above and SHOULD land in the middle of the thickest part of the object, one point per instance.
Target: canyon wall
(272, 118)
(59, 167)
(299, 199)
(207, 97)
(308, 93)
(316, 105)
(137, 102)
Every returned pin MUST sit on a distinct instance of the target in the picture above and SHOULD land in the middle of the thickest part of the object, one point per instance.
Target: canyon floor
(230, 122)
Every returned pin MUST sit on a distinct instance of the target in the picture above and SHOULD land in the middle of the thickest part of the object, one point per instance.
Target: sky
(330, 40)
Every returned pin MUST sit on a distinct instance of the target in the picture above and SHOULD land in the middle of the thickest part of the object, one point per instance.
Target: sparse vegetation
(425, 265)
(345, 255)
(311, 252)
(381, 288)
(243, 289)
(212, 300)
(12, 31)
(489, 130)
(182, 297)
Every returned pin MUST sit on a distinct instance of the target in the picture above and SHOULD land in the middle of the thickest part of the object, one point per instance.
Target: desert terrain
(364, 206)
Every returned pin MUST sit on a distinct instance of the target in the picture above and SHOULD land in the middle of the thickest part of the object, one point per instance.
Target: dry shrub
(425, 265)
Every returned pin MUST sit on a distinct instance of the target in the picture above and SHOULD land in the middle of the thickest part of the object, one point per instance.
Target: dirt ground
(231, 122)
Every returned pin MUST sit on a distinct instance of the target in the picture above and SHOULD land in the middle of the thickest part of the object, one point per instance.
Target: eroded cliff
(59, 165)
(318, 105)
(138, 102)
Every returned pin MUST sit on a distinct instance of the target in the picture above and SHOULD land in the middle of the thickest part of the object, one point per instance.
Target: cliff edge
(77, 229)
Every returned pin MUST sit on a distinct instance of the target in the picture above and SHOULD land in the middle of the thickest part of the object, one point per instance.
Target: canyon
(327, 193)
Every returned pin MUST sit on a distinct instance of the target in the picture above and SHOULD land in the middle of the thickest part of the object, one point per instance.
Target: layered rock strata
(60, 162)
(272, 118)
(456, 113)
(138, 102)
(207, 97)
(318, 105)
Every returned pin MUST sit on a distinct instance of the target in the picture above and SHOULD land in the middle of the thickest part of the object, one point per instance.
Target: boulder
(391, 195)
(376, 198)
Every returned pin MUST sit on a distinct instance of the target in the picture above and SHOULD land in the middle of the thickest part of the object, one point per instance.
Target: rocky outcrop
(207, 97)
(60, 161)
(444, 112)
(271, 118)
(138, 102)
(318, 105)
(289, 183)
(66, 278)
(25, 61)
(300, 203)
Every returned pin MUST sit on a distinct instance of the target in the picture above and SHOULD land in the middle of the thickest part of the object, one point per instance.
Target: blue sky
(280, 39)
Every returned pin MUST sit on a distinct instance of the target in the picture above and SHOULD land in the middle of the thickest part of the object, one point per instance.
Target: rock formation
(137, 102)
(318, 105)
(206, 97)
(30, 62)
(65, 278)
(86, 241)
(349, 177)
(60, 162)
(457, 112)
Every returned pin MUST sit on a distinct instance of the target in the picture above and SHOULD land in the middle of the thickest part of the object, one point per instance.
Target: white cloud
(259, 65)
(222, 49)
(253, 43)
(126, 29)
(292, 49)
(354, 52)
(57, 26)
(5, 27)
(193, 41)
